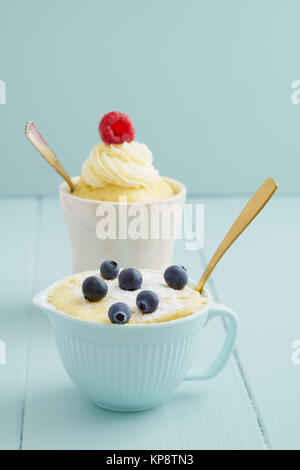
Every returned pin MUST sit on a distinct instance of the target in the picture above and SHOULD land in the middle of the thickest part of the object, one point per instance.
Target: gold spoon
(38, 141)
(250, 211)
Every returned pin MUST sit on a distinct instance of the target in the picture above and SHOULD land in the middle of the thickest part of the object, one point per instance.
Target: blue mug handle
(218, 310)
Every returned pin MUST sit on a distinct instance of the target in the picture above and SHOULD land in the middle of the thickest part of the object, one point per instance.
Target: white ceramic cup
(83, 218)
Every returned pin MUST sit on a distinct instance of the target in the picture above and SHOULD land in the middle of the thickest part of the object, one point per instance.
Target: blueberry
(109, 269)
(176, 277)
(94, 288)
(119, 313)
(147, 301)
(130, 279)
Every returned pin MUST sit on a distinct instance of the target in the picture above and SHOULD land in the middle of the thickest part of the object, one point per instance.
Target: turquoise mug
(134, 367)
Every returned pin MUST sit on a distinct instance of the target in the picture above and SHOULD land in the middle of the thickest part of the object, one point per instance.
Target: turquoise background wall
(206, 83)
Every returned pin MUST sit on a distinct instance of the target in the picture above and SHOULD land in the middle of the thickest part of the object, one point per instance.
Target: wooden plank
(210, 415)
(17, 253)
(259, 278)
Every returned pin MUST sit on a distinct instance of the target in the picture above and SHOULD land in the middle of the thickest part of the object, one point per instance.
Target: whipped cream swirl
(128, 165)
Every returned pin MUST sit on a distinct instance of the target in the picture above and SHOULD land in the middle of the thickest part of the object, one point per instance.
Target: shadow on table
(61, 418)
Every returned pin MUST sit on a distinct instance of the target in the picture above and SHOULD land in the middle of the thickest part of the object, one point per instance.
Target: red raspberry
(116, 128)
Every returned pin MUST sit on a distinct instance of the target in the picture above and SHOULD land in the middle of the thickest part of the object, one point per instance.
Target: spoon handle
(38, 141)
(250, 211)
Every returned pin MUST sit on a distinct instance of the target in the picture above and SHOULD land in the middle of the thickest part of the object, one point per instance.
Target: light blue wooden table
(253, 404)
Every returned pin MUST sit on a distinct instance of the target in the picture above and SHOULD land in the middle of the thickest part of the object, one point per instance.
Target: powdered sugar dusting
(171, 301)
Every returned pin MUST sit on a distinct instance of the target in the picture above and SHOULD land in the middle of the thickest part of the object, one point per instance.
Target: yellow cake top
(67, 297)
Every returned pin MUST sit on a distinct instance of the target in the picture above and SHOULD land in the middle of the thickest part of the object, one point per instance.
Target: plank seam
(250, 393)
(32, 286)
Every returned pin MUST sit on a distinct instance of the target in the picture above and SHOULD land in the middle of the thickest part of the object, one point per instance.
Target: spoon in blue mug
(250, 211)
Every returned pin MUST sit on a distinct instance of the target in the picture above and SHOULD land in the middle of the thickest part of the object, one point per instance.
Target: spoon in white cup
(38, 141)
